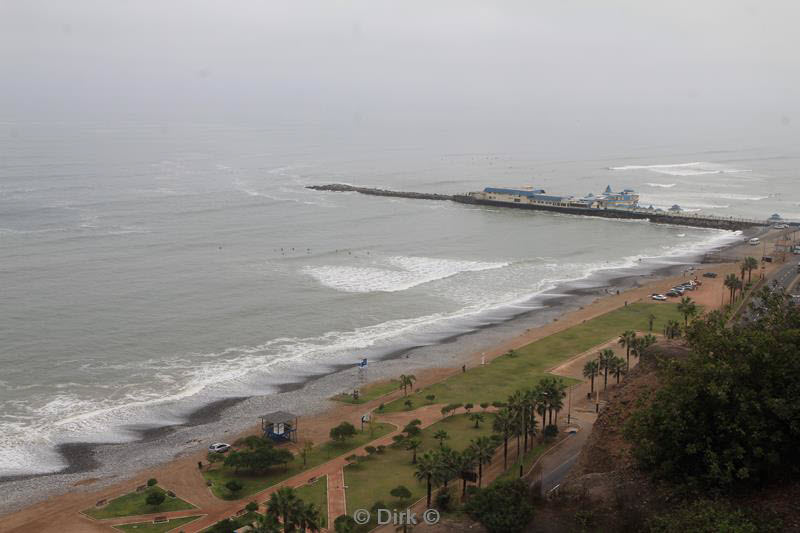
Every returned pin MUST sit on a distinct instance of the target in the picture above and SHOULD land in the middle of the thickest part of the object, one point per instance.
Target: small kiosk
(280, 426)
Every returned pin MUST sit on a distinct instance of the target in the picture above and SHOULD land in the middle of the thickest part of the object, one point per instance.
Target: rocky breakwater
(340, 187)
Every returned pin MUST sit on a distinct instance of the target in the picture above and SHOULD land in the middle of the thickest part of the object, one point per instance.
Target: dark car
(673, 293)
(709, 274)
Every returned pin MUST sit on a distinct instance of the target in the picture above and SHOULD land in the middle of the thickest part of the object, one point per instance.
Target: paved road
(557, 464)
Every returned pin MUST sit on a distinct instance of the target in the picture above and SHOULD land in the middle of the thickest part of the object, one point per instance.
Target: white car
(219, 447)
(658, 297)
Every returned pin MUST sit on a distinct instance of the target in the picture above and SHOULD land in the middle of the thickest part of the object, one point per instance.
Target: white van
(754, 241)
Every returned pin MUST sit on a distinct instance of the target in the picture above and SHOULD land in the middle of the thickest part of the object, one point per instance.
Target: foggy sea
(149, 269)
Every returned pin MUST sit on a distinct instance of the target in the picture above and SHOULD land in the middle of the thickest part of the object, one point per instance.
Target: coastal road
(556, 465)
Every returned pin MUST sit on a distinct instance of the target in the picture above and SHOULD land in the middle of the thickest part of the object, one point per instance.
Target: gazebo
(280, 426)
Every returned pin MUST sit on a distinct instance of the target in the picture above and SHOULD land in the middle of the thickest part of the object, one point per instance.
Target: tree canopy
(728, 415)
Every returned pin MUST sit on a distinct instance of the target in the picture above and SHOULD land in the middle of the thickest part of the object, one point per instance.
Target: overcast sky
(723, 62)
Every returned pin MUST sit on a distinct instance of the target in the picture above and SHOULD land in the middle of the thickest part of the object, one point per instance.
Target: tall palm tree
(413, 445)
(483, 447)
(651, 318)
(308, 517)
(281, 505)
(406, 381)
(687, 308)
(590, 370)
(427, 467)
(604, 360)
(503, 425)
(467, 462)
(477, 418)
(618, 367)
(751, 264)
(267, 523)
(626, 340)
(516, 406)
(673, 329)
(731, 282)
(449, 465)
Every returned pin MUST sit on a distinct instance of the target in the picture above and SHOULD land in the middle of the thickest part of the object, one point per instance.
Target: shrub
(344, 524)
(233, 486)
(155, 498)
(215, 457)
(484, 405)
(408, 403)
(443, 500)
(370, 450)
(468, 407)
(707, 515)
(381, 407)
(223, 526)
(170, 494)
(152, 482)
(251, 507)
(550, 431)
(430, 398)
(401, 493)
(343, 431)
(381, 448)
(504, 507)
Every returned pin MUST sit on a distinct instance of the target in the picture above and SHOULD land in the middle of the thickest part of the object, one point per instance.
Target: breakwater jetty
(657, 217)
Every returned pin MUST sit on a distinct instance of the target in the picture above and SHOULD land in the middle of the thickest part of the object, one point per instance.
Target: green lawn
(220, 475)
(370, 392)
(238, 522)
(133, 503)
(372, 479)
(163, 527)
(316, 493)
(500, 378)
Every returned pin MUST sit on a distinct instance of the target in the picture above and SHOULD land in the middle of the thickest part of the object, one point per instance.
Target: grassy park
(369, 392)
(161, 527)
(372, 478)
(505, 374)
(220, 475)
(316, 493)
(134, 503)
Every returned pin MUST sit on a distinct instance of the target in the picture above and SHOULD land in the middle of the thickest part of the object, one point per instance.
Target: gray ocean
(148, 269)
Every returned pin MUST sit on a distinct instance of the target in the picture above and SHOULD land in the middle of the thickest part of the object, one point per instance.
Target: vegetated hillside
(702, 436)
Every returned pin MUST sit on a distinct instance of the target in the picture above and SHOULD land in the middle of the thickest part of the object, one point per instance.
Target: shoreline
(105, 464)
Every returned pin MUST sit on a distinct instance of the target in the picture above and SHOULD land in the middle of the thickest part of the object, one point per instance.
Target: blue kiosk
(280, 426)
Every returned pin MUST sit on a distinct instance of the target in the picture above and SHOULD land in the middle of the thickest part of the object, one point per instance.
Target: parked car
(709, 274)
(658, 297)
(219, 447)
(673, 293)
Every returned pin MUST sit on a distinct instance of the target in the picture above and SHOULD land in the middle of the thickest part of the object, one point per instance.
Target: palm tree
(413, 445)
(441, 436)
(467, 461)
(281, 505)
(483, 447)
(503, 425)
(516, 406)
(604, 360)
(590, 370)
(407, 381)
(267, 523)
(477, 418)
(448, 465)
(687, 308)
(627, 339)
(650, 319)
(731, 282)
(751, 264)
(308, 517)
(618, 367)
(673, 329)
(427, 468)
